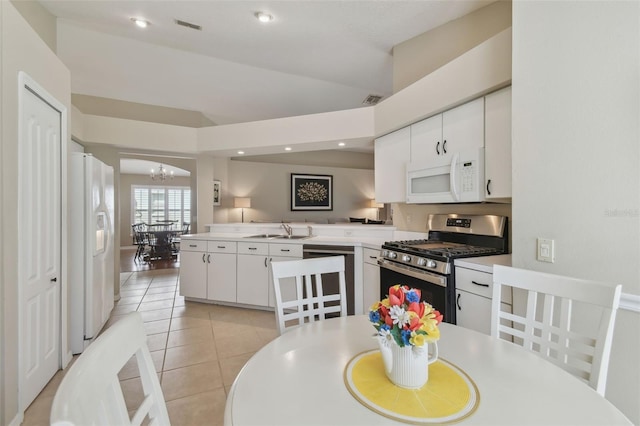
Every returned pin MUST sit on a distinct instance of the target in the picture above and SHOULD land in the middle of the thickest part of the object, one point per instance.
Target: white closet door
(39, 226)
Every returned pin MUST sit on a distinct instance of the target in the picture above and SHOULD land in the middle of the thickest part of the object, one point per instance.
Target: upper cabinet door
(426, 139)
(392, 153)
(498, 144)
(463, 128)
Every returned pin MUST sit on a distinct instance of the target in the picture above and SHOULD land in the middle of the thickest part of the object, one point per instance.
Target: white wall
(21, 49)
(268, 186)
(576, 155)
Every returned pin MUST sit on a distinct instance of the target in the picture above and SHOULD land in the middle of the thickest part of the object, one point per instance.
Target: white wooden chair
(568, 321)
(90, 392)
(307, 298)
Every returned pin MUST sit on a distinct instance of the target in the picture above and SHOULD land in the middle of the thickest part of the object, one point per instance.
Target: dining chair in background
(139, 231)
(548, 324)
(302, 293)
(90, 392)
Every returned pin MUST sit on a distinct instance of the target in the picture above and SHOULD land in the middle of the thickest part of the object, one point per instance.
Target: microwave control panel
(467, 176)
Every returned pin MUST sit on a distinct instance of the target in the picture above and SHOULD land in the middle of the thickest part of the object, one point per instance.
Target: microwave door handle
(452, 177)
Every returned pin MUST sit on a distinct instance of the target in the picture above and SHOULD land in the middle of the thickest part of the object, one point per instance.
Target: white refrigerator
(91, 248)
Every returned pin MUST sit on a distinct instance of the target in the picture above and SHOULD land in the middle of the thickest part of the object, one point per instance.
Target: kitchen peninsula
(230, 263)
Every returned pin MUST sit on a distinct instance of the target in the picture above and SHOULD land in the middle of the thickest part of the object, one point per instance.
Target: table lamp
(242, 203)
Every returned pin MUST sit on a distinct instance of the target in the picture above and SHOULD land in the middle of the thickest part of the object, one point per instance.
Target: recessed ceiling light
(288, 148)
(240, 152)
(341, 144)
(264, 17)
(142, 23)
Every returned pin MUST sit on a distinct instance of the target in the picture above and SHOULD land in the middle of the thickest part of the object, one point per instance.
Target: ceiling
(133, 166)
(315, 56)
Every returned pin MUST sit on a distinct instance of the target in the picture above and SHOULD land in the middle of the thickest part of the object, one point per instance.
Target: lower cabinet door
(371, 285)
(474, 311)
(193, 274)
(252, 280)
(221, 273)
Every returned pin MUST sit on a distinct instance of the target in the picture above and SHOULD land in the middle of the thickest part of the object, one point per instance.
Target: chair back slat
(90, 392)
(545, 322)
(312, 299)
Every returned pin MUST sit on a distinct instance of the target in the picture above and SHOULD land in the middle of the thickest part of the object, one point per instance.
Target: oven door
(434, 287)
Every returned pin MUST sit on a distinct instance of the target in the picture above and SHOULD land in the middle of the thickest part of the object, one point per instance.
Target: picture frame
(311, 192)
(217, 191)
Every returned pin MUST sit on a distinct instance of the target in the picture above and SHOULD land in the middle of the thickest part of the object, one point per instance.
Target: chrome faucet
(287, 228)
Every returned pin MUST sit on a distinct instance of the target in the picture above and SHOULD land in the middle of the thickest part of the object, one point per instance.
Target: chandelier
(162, 174)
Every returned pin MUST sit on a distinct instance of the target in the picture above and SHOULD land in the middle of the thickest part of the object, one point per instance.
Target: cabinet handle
(488, 190)
(287, 250)
(222, 246)
(209, 259)
(54, 279)
(480, 284)
(265, 262)
(458, 302)
(253, 248)
(193, 245)
(373, 257)
(204, 257)
(444, 147)
(438, 147)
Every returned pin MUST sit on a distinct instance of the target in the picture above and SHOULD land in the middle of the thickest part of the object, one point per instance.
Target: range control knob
(406, 258)
(392, 255)
(422, 262)
(431, 263)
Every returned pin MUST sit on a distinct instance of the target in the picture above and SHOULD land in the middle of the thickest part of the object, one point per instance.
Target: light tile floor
(198, 348)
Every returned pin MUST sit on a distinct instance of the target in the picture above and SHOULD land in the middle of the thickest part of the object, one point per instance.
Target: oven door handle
(412, 272)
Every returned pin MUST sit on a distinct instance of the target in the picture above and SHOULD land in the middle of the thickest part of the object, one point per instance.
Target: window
(150, 204)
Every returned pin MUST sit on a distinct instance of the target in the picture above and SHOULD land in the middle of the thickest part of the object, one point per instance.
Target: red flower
(438, 317)
(416, 307)
(396, 296)
(414, 324)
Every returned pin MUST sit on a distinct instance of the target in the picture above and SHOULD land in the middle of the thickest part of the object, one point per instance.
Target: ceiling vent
(372, 99)
(188, 25)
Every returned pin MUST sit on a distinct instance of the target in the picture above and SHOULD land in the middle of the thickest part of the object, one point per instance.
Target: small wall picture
(311, 192)
(216, 192)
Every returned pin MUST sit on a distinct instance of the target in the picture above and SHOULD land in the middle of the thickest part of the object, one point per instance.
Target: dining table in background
(299, 378)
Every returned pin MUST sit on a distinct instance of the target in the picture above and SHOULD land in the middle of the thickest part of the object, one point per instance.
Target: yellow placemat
(449, 395)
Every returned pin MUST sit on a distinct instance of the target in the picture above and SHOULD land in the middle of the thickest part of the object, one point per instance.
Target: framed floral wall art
(311, 192)
(216, 192)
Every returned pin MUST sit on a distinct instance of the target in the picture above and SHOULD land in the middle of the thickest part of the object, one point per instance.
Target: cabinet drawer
(290, 250)
(477, 282)
(222, 246)
(370, 256)
(193, 245)
(253, 248)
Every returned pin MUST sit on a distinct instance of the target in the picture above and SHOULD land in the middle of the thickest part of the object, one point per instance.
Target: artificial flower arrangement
(404, 318)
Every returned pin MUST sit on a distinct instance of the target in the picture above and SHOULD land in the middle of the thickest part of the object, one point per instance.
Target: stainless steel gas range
(428, 264)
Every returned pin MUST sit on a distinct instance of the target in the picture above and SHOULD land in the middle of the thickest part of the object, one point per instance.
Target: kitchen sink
(293, 237)
(266, 236)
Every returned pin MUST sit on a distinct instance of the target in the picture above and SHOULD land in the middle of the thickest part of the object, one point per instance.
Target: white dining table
(298, 379)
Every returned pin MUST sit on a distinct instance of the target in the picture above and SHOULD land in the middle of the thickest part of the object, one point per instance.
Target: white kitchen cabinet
(497, 142)
(277, 253)
(193, 268)
(456, 130)
(473, 299)
(392, 152)
(208, 270)
(221, 271)
(252, 278)
(370, 278)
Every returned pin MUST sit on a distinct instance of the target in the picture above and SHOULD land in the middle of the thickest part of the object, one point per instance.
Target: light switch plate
(546, 252)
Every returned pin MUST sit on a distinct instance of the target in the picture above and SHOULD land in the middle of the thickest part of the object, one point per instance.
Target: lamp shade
(242, 202)
(376, 205)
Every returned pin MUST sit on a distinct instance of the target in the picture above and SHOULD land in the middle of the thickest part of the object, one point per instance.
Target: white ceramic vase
(407, 366)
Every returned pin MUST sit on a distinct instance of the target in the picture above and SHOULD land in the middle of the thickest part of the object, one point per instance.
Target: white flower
(399, 315)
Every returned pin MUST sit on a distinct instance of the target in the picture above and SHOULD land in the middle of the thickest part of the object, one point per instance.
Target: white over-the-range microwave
(456, 179)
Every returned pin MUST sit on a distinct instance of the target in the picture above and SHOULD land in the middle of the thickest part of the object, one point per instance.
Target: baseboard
(630, 302)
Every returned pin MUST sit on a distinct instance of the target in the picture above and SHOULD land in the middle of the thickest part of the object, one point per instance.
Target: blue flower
(385, 327)
(374, 316)
(412, 296)
(406, 336)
